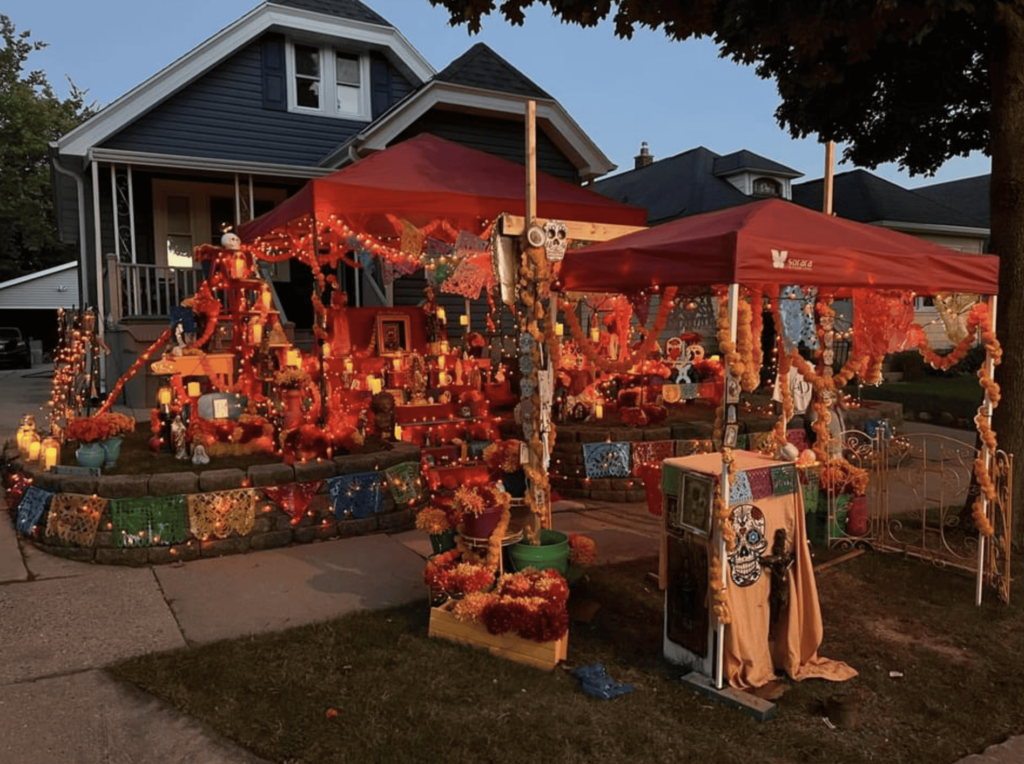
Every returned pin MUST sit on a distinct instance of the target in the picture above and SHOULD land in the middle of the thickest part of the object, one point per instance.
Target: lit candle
(51, 454)
(240, 267)
(33, 450)
(440, 361)
(326, 350)
(397, 364)
(163, 396)
(464, 320)
(293, 358)
(398, 432)
(267, 298)
(375, 385)
(595, 335)
(349, 365)
(444, 346)
(714, 358)
(193, 389)
(440, 315)
(599, 411)
(257, 333)
(559, 329)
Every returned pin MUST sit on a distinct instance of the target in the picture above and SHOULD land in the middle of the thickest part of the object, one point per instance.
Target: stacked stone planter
(272, 528)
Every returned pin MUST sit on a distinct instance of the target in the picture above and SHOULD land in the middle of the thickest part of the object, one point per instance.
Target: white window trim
(328, 83)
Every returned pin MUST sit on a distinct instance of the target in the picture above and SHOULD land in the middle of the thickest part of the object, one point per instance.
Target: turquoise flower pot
(112, 450)
(91, 455)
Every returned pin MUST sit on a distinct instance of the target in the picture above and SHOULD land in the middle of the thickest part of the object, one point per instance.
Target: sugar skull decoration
(231, 241)
(751, 542)
(555, 239)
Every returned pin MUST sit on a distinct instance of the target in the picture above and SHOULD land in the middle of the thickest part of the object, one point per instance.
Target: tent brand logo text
(781, 259)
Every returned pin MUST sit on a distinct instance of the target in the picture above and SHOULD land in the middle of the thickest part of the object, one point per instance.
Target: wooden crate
(543, 655)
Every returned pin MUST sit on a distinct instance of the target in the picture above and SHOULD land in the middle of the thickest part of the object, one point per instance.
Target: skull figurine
(555, 239)
(231, 241)
(751, 542)
(695, 353)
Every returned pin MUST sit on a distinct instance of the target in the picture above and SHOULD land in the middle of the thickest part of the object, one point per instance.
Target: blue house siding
(222, 115)
(503, 138)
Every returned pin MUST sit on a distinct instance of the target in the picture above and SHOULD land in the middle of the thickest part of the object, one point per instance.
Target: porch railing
(139, 290)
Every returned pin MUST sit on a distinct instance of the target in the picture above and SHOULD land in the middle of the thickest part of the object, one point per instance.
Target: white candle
(440, 315)
(33, 450)
(595, 335)
(559, 329)
(50, 456)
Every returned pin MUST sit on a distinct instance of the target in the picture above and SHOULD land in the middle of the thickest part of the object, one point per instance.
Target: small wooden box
(543, 655)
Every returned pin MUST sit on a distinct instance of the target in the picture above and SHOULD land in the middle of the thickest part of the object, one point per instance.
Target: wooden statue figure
(778, 563)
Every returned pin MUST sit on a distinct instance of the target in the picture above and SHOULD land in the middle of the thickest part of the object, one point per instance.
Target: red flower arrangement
(92, 429)
(446, 572)
(530, 603)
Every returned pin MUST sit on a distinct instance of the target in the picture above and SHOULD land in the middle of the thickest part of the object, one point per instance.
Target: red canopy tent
(774, 242)
(427, 179)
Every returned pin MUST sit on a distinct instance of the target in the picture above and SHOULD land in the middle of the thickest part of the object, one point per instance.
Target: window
(179, 232)
(766, 187)
(328, 82)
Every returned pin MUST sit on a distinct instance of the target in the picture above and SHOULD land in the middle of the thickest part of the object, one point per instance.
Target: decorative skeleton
(745, 562)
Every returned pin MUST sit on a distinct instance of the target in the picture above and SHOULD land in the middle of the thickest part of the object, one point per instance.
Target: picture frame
(732, 390)
(732, 435)
(393, 334)
(695, 503)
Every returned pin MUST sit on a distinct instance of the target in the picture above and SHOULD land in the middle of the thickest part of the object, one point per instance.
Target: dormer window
(326, 81)
(767, 187)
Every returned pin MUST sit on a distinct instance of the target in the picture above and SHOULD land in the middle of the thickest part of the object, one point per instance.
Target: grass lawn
(402, 697)
(960, 395)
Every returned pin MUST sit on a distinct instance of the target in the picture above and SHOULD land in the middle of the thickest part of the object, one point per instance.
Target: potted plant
(99, 437)
(437, 523)
(847, 484)
(481, 508)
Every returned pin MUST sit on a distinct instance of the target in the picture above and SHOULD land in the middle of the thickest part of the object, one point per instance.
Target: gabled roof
(38, 275)
(481, 67)
(682, 185)
(968, 195)
(479, 82)
(343, 9)
(340, 19)
(748, 161)
(859, 195)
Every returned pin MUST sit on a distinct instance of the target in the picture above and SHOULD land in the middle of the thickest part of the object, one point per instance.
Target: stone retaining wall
(273, 527)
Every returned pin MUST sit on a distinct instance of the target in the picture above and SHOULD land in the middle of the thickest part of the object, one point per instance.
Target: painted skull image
(694, 353)
(751, 542)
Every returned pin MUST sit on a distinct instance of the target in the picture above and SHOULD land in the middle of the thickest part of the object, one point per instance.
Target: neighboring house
(30, 302)
(969, 196)
(696, 181)
(293, 90)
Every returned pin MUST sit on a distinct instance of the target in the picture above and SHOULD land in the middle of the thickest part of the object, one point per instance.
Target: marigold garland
(590, 349)
(722, 517)
(741, 358)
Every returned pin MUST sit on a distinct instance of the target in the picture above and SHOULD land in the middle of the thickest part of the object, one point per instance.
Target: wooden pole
(531, 162)
(830, 156)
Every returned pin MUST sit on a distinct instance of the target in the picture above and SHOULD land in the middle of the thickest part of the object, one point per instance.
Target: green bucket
(553, 553)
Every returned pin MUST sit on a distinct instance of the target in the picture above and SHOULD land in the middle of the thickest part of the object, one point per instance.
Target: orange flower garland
(742, 357)
(650, 340)
(979, 318)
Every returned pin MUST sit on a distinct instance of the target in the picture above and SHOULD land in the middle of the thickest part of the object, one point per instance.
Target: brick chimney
(644, 158)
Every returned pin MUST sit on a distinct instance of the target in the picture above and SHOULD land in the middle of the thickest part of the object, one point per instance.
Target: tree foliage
(31, 115)
(895, 81)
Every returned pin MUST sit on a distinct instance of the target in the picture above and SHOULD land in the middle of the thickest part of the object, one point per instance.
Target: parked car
(14, 348)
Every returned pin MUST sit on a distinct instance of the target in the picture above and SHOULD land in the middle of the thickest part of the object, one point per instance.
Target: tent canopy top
(770, 243)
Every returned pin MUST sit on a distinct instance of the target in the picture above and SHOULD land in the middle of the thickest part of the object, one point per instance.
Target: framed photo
(732, 390)
(393, 336)
(730, 414)
(732, 435)
(695, 505)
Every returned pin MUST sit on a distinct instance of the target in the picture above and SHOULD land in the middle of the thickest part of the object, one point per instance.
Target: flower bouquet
(449, 574)
(437, 522)
(292, 379)
(838, 477)
(99, 427)
(531, 604)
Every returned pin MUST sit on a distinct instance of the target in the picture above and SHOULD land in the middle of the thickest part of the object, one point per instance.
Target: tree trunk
(1006, 69)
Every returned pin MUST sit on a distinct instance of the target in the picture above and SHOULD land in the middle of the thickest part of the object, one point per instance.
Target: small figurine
(199, 455)
(778, 563)
(178, 431)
